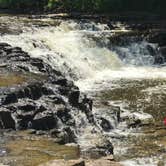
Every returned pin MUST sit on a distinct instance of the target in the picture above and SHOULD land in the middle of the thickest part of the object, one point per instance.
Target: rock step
(45, 105)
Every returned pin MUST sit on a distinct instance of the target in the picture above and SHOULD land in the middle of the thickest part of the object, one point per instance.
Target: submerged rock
(137, 119)
(6, 119)
(106, 125)
(97, 146)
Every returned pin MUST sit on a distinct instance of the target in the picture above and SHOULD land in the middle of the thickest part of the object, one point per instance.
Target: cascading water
(66, 46)
(83, 52)
(71, 48)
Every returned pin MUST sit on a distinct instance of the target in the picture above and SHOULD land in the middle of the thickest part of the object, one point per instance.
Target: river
(113, 75)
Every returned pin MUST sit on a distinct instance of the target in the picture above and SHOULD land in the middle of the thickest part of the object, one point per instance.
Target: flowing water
(113, 75)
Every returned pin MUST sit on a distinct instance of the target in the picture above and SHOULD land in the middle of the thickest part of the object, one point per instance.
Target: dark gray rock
(151, 50)
(104, 148)
(158, 37)
(44, 105)
(106, 125)
(6, 119)
(10, 98)
(163, 52)
(44, 121)
(159, 59)
(63, 136)
(74, 97)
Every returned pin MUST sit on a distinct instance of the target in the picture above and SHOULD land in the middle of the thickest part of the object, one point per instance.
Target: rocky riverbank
(37, 98)
(44, 101)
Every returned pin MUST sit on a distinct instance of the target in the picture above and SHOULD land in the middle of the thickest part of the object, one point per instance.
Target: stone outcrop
(43, 103)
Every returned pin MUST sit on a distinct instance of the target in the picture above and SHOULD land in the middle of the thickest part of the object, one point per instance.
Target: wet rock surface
(137, 31)
(138, 119)
(43, 104)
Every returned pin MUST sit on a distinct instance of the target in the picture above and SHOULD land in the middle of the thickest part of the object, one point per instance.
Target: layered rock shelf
(44, 100)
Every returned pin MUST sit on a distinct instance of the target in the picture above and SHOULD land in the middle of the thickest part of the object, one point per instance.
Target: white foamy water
(66, 46)
(101, 79)
(71, 48)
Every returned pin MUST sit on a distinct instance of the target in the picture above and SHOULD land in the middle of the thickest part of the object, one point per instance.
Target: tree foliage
(96, 6)
(23, 4)
(108, 6)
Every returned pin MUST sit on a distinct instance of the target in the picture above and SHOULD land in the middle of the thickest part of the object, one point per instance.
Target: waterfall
(73, 48)
(67, 47)
(84, 52)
